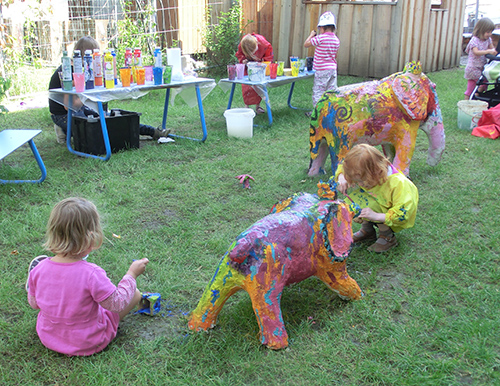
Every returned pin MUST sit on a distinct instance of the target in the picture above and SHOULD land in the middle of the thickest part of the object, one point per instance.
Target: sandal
(259, 110)
(364, 234)
(383, 243)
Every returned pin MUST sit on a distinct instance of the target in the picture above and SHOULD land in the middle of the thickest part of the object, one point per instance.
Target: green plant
(5, 84)
(221, 39)
(136, 30)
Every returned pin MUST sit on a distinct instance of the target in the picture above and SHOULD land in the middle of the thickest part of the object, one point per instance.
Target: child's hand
(369, 214)
(342, 184)
(137, 268)
(312, 34)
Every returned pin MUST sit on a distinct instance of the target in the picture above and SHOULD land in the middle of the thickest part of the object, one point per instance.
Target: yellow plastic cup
(125, 76)
(268, 68)
(295, 68)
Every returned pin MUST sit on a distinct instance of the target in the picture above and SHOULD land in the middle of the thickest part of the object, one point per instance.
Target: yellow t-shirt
(397, 198)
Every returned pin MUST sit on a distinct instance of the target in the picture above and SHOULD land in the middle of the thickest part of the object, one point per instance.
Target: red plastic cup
(273, 71)
(231, 71)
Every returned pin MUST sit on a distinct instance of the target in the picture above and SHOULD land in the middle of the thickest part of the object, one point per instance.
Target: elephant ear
(412, 91)
(337, 231)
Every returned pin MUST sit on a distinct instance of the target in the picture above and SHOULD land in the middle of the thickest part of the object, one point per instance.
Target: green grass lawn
(430, 315)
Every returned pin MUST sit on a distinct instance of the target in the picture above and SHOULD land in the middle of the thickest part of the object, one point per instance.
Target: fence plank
(360, 52)
(381, 40)
(345, 23)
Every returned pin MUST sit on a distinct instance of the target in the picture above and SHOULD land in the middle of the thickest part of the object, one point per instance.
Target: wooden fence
(376, 37)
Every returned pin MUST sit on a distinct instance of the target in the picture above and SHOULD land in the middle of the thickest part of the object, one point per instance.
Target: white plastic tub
(468, 109)
(239, 122)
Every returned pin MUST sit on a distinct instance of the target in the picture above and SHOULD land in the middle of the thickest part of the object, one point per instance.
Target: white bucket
(466, 110)
(239, 122)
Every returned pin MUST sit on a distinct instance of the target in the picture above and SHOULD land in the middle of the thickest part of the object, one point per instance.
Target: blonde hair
(366, 164)
(74, 227)
(248, 46)
(482, 26)
(86, 43)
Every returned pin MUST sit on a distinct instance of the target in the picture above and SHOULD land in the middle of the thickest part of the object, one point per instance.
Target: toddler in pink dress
(80, 307)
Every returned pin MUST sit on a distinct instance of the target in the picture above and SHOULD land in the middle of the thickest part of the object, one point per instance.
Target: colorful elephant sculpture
(386, 112)
(303, 236)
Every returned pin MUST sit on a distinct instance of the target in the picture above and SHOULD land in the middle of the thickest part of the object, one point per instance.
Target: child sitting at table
(59, 112)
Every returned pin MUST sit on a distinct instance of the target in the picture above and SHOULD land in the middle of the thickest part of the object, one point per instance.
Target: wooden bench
(13, 139)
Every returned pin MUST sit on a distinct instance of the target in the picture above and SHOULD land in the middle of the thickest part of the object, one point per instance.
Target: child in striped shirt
(325, 55)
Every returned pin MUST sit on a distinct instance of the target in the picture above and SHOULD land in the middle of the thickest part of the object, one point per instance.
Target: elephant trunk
(433, 127)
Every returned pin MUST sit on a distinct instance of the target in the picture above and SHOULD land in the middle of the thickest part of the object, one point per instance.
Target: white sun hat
(326, 19)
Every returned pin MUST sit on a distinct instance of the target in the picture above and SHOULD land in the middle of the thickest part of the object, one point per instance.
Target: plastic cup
(295, 68)
(231, 71)
(268, 72)
(141, 76)
(167, 74)
(240, 70)
(149, 73)
(293, 59)
(125, 76)
(273, 72)
(158, 75)
(281, 68)
(309, 63)
(302, 65)
(79, 82)
(60, 78)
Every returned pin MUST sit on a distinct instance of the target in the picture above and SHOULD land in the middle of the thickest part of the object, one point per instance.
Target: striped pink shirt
(325, 54)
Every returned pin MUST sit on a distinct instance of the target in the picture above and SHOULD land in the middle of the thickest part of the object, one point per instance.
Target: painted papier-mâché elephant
(386, 112)
(304, 235)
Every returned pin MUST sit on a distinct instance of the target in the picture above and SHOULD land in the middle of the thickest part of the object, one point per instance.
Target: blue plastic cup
(158, 75)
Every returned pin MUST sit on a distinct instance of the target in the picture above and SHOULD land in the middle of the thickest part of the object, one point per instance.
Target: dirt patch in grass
(170, 321)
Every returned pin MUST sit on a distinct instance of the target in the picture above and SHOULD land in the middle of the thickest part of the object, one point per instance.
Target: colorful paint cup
(309, 63)
(141, 76)
(240, 70)
(149, 73)
(281, 67)
(231, 71)
(125, 76)
(293, 59)
(158, 75)
(79, 79)
(167, 74)
(268, 69)
(273, 72)
(295, 68)
(302, 65)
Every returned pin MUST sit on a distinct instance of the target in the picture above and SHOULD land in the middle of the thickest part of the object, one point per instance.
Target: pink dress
(475, 63)
(71, 320)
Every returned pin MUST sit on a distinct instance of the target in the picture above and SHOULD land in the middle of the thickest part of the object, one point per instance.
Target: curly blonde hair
(366, 166)
(73, 227)
(248, 46)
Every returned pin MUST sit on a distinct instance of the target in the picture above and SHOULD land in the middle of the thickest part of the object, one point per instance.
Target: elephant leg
(225, 283)
(266, 305)
(339, 281)
(318, 163)
(405, 146)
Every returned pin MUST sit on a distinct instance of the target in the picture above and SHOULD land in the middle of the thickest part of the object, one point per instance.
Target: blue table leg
(105, 135)
(290, 99)
(231, 96)
(165, 110)
(202, 119)
(268, 107)
(40, 163)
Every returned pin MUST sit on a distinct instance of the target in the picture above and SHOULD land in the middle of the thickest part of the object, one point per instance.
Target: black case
(123, 132)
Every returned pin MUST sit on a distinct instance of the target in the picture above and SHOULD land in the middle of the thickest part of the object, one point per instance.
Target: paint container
(239, 122)
(468, 109)
(256, 71)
